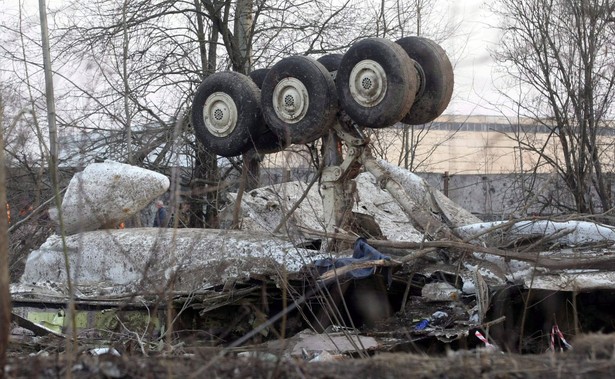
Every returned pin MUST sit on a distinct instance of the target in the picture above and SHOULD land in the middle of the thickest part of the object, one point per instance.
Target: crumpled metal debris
(440, 291)
(314, 344)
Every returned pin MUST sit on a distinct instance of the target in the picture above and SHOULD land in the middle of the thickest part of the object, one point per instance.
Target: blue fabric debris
(362, 252)
(422, 325)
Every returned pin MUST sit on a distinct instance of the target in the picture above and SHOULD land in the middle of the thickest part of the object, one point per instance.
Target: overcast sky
(473, 66)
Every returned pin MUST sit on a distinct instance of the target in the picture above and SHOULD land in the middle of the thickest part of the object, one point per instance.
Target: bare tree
(173, 46)
(561, 53)
(147, 59)
(25, 151)
(130, 68)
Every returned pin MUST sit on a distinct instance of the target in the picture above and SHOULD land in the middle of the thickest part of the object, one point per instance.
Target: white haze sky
(474, 67)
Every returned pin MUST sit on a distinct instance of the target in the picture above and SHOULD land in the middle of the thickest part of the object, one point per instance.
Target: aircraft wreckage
(423, 267)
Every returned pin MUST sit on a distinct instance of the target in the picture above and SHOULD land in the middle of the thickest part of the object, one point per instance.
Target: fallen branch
(577, 262)
(331, 274)
(493, 322)
(31, 214)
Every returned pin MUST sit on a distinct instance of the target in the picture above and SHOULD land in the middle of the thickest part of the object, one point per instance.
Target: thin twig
(35, 211)
(298, 202)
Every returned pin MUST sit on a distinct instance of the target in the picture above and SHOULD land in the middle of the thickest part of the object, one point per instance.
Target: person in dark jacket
(161, 219)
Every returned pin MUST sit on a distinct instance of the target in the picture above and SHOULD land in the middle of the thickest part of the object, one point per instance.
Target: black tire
(226, 113)
(267, 142)
(376, 82)
(331, 63)
(437, 79)
(258, 76)
(299, 100)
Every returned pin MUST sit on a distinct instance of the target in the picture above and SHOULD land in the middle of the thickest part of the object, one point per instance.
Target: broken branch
(576, 262)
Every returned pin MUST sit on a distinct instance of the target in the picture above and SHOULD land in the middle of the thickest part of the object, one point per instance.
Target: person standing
(161, 219)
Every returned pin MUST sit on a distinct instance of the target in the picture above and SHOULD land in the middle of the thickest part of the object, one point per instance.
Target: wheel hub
(368, 83)
(220, 114)
(290, 100)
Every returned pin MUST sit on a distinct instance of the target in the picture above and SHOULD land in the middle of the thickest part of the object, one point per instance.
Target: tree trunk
(243, 36)
(252, 161)
(203, 203)
(5, 296)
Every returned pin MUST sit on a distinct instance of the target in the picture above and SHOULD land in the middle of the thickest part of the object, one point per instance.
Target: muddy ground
(592, 356)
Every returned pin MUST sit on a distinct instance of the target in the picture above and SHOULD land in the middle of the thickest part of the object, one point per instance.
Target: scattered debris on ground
(434, 292)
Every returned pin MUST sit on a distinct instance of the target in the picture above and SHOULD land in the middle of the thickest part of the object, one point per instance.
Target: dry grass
(592, 357)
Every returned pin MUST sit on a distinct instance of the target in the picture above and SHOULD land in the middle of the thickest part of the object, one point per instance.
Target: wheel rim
(368, 83)
(220, 114)
(290, 100)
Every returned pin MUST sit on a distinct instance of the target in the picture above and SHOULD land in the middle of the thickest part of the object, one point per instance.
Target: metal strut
(337, 186)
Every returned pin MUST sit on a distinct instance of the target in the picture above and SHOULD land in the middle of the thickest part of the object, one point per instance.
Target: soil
(592, 356)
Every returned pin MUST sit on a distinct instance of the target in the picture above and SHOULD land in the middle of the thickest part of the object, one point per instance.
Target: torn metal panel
(576, 270)
(571, 280)
(421, 215)
(56, 321)
(440, 291)
(264, 208)
(568, 233)
(310, 342)
(36, 327)
(429, 197)
(45, 311)
(154, 260)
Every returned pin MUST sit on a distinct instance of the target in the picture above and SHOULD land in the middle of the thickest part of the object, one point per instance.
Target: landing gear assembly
(375, 84)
